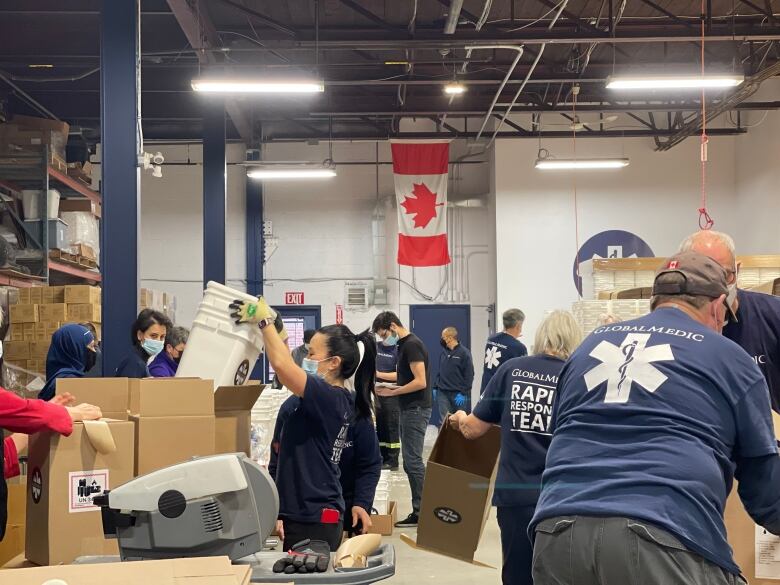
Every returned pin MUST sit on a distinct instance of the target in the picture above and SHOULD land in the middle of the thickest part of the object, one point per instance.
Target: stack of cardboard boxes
(159, 301)
(38, 312)
(148, 424)
(26, 133)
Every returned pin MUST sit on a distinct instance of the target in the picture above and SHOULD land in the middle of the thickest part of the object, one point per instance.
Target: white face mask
(731, 296)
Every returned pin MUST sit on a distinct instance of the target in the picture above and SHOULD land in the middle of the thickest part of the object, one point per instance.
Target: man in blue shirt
(456, 375)
(503, 346)
(757, 330)
(653, 419)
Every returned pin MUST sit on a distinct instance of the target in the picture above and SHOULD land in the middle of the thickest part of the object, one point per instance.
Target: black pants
(294, 532)
(618, 551)
(516, 548)
(388, 428)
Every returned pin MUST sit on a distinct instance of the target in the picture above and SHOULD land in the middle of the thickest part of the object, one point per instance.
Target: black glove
(307, 556)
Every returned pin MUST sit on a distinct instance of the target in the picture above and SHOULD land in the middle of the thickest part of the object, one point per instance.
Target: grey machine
(209, 506)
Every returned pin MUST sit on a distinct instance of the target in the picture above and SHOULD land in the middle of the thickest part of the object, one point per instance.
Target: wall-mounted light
(560, 164)
(278, 86)
(673, 81)
(290, 170)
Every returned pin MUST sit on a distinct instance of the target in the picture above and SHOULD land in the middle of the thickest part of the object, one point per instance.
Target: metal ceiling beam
(665, 12)
(767, 13)
(471, 17)
(743, 92)
(261, 18)
(365, 13)
(201, 33)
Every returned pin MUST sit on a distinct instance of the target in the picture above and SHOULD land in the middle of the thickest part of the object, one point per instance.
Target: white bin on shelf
(31, 203)
(218, 349)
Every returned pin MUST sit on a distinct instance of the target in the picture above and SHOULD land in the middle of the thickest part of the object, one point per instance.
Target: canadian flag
(420, 173)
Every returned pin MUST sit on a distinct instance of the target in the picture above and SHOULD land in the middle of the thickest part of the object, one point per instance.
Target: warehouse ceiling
(385, 62)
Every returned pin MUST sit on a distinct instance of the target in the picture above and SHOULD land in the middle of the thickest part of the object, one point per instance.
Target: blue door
(428, 321)
(297, 319)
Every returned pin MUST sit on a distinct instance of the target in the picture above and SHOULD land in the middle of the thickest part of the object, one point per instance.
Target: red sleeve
(32, 416)
(10, 459)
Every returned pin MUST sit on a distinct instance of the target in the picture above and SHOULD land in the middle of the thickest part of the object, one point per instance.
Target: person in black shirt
(456, 375)
(388, 410)
(413, 387)
(311, 502)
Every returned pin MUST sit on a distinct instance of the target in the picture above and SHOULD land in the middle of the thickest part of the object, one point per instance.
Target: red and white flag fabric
(420, 173)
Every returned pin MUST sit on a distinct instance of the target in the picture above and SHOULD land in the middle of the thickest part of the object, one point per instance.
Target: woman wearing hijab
(71, 355)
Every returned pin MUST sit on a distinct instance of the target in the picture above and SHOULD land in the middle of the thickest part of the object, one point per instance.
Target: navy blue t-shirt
(386, 357)
(758, 333)
(361, 465)
(310, 446)
(520, 398)
(498, 349)
(650, 420)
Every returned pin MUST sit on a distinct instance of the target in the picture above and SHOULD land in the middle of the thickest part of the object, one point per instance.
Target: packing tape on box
(100, 436)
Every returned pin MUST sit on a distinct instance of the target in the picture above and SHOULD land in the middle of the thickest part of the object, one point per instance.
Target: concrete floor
(415, 566)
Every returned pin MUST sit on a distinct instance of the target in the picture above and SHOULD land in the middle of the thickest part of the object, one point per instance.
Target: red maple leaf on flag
(423, 205)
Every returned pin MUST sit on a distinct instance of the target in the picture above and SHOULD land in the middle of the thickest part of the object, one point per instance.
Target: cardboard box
(457, 492)
(13, 541)
(171, 397)
(53, 294)
(81, 205)
(39, 350)
(36, 295)
(747, 538)
(36, 366)
(16, 333)
(24, 313)
(112, 395)
(82, 294)
(233, 411)
(384, 523)
(57, 312)
(85, 312)
(23, 296)
(16, 350)
(161, 441)
(193, 571)
(63, 474)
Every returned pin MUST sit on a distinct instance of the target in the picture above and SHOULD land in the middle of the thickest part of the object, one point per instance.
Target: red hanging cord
(705, 221)
(575, 91)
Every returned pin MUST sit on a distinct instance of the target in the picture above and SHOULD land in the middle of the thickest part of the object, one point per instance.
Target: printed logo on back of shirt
(492, 357)
(630, 362)
(340, 444)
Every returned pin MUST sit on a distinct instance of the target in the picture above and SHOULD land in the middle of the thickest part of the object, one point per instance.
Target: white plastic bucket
(218, 349)
(31, 203)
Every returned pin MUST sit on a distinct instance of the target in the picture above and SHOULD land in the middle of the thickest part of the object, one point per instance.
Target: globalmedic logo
(630, 362)
(492, 357)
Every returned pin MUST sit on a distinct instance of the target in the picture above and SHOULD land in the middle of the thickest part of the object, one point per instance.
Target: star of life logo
(492, 357)
(629, 363)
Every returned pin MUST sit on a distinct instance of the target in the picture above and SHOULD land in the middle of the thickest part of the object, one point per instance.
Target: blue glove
(460, 399)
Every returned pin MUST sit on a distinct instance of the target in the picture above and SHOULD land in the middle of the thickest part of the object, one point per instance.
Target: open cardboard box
(384, 523)
(457, 494)
(233, 411)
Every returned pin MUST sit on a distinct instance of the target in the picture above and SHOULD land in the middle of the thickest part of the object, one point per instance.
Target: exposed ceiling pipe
(453, 16)
(519, 50)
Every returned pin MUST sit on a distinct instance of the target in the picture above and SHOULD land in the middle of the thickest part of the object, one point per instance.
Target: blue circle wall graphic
(610, 244)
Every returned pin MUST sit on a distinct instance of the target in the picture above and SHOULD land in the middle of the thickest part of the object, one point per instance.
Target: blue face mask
(391, 340)
(153, 346)
(312, 366)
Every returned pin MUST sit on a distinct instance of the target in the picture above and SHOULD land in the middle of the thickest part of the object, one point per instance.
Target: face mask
(312, 366)
(391, 340)
(91, 359)
(153, 346)
(443, 344)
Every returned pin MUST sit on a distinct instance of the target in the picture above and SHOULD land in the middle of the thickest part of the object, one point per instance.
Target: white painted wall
(656, 197)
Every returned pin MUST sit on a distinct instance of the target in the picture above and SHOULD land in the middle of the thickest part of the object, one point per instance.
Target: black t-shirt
(411, 349)
(311, 442)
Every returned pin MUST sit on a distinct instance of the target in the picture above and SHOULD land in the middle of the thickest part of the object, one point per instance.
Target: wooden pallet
(73, 259)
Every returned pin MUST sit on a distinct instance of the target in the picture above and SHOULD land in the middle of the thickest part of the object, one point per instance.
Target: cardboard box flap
(477, 457)
(230, 398)
(413, 543)
(99, 435)
(211, 570)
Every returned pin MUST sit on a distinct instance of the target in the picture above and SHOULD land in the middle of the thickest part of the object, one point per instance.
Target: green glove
(252, 312)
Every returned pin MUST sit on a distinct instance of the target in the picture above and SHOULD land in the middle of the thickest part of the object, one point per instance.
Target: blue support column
(120, 21)
(214, 190)
(255, 243)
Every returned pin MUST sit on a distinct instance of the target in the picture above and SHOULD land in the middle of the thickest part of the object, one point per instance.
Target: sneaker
(389, 467)
(408, 522)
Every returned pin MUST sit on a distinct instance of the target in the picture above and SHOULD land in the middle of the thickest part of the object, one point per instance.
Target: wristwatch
(265, 323)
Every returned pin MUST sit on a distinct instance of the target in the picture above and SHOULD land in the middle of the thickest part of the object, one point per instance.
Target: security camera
(158, 158)
(157, 171)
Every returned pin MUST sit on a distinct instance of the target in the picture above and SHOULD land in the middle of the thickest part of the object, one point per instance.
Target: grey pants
(414, 421)
(584, 550)
(449, 403)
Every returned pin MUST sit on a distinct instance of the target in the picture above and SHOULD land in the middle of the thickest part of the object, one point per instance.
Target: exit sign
(293, 298)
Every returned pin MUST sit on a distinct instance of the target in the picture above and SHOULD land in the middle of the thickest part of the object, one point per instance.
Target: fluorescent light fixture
(271, 171)
(257, 86)
(555, 164)
(454, 88)
(674, 81)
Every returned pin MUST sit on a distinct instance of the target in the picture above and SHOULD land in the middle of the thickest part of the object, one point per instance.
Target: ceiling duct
(453, 16)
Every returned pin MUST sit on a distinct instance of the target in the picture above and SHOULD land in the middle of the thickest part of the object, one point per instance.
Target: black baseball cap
(702, 276)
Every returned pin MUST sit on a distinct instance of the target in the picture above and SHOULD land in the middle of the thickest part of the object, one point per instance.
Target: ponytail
(343, 343)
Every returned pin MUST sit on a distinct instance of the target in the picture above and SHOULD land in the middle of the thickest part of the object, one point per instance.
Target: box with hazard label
(64, 474)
